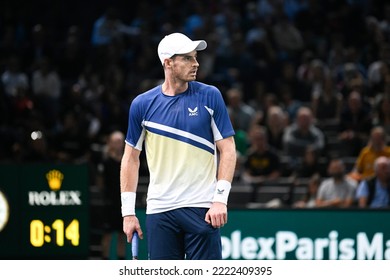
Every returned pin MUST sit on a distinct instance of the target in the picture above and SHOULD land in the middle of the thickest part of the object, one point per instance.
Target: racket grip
(134, 246)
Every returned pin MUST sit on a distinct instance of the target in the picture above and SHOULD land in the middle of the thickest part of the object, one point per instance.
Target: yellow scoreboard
(44, 211)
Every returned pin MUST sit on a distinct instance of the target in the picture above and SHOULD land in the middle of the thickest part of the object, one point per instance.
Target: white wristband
(128, 203)
(221, 192)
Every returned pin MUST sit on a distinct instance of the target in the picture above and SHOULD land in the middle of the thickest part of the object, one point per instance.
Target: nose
(196, 63)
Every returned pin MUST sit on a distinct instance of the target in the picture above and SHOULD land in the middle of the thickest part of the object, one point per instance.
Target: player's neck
(173, 87)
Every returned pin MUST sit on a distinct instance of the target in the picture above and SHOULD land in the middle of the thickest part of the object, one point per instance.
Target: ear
(168, 62)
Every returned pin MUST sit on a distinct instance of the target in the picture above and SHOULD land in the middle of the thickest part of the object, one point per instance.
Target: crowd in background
(287, 69)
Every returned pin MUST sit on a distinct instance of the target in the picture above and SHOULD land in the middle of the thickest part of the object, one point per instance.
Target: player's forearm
(128, 182)
(129, 171)
(226, 168)
(227, 164)
(129, 176)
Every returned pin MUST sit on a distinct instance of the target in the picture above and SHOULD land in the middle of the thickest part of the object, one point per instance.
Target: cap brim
(199, 45)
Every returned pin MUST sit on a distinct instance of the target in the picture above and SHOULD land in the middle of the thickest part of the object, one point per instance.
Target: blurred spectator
(313, 24)
(207, 59)
(293, 7)
(374, 192)
(40, 46)
(261, 47)
(261, 102)
(71, 143)
(304, 66)
(302, 134)
(242, 144)
(379, 69)
(352, 75)
(113, 114)
(384, 23)
(317, 74)
(327, 103)
(72, 57)
(358, 84)
(241, 114)
(337, 190)
(288, 38)
(109, 27)
(46, 89)
(288, 102)
(262, 162)
(381, 115)
(257, 33)
(267, 9)
(276, 123)
(289, 77)
(257, 100)
(376, 147)
(195, 21)
(14, 79)
(374, 41)
(336, 55)
(16, 99)
(308, 166)
(309, 198)
(113, 239)
(236, 65)
(355, 125)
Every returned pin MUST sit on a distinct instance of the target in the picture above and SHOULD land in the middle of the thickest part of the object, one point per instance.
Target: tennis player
(191, 158)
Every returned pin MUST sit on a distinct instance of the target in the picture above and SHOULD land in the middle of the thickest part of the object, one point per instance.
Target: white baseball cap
(178, 43)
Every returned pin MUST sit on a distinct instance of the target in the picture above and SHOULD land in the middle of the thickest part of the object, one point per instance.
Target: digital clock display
(48, 212)
(41, 233)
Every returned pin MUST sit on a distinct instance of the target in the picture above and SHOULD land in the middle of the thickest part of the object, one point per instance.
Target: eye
(189, 58)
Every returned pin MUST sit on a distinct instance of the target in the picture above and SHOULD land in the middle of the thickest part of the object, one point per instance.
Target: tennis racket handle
(134, 246)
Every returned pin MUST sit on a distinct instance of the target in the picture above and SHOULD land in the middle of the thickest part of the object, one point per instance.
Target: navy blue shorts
(182, 234)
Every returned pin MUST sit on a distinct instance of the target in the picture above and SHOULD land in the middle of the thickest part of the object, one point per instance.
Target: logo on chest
(193, 112)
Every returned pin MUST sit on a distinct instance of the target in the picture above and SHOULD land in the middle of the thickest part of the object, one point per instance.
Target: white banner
(188, 270)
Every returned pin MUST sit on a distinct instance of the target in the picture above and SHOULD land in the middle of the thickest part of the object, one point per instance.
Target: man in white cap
(184, 125)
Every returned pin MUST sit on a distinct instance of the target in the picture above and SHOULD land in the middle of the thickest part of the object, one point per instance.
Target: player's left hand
(217, 215)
